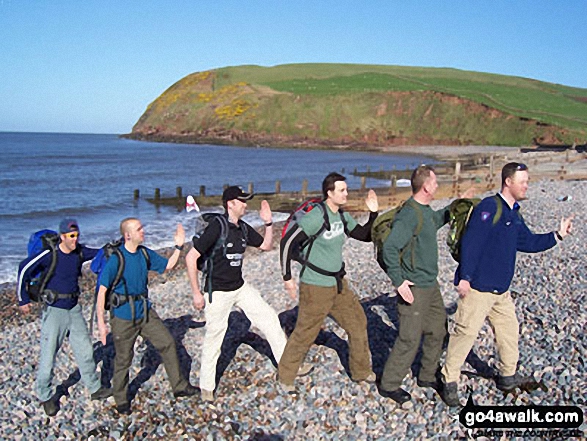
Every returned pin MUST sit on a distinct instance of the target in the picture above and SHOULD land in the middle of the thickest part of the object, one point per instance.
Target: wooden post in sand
(157, 194)
(251, 188)
(136, 194)
(179, 193)
(202, 191)
(363, 183)
(304, 188)
(277, 187)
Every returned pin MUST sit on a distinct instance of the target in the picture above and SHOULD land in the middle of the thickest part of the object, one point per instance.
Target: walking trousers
(316, 303)
(125, 334)
(423, 319)
(469, 318)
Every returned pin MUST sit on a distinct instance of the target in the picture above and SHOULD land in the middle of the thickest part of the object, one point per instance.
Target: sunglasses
(72, 235)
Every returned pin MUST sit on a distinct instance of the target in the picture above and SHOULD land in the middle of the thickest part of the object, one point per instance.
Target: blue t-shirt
(134, 279)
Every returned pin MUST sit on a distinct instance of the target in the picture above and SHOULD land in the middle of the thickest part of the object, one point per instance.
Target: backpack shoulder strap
(419, 215)
(344, 222)
(326, 220)
(498, 209)
(119, 272)
(146, 256)
(48, 274)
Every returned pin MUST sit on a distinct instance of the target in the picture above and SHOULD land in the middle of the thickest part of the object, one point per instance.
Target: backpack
(300, 252)
(459, 214)
(99, 263)
(38, 242)
(382, 227)
(205, 262)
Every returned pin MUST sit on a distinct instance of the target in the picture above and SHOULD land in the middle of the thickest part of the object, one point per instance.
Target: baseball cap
(67, 225)
(235, 192)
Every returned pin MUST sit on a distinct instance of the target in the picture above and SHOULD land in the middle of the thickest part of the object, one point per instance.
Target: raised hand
(265, 212)
(372, 202)
(179, 235)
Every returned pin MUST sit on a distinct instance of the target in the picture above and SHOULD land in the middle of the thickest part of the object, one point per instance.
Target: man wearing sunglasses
(62, 315)
(495, 233)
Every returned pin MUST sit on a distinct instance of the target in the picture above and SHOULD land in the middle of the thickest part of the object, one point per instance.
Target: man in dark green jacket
(410, 254)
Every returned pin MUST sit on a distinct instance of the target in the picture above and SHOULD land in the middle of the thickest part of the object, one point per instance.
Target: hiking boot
(207, 395)
(305, 369)
(510, 382)
(51, 407)
(189, 391)
(398, 395)
(123, 409)
(101, 394)
(432, 384)
(450, 394)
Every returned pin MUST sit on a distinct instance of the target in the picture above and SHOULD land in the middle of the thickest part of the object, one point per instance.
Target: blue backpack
(39, 241)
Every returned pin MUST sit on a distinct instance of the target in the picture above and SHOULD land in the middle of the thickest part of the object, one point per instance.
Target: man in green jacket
(410, 254)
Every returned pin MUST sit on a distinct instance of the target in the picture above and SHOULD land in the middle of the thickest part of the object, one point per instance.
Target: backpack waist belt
(338, 275)
(117, 300)
(50, 296)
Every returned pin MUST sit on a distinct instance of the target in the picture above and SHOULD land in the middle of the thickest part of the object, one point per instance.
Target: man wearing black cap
(228, 286)
(62, 315)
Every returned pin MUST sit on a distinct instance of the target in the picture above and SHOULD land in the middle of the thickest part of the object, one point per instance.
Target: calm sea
(45, 177)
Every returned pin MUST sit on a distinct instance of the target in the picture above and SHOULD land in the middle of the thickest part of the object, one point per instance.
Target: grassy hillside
(363, 105)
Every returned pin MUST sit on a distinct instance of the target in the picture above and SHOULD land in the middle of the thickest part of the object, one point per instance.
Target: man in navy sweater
(62, 315)
(494, 234)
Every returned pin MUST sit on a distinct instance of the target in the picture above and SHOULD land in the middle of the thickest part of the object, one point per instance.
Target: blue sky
(93, 66)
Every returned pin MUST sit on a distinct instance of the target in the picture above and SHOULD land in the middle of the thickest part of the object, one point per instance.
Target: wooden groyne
(454, 177)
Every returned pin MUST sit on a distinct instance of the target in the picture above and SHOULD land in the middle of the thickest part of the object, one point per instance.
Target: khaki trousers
(125, 334)
(469, 318)
(317, 302)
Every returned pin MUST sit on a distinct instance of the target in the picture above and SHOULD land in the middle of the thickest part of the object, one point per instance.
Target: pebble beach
(549, 290)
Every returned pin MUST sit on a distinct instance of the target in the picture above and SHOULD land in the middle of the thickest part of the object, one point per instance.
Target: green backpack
(382, 227)
(459, 214)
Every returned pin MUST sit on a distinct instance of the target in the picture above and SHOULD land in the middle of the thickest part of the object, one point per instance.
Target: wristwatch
(179, 247)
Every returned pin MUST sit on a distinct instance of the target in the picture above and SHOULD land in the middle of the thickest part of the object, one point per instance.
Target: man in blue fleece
(62, 314)
(495, 232)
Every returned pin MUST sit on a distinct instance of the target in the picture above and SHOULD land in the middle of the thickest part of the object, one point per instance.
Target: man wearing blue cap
(62, 315)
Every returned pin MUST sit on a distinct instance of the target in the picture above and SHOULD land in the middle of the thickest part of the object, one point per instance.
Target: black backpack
(205, 262)
(99, 263)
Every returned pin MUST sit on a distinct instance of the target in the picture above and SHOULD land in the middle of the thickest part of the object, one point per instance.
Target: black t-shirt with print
(227, 270)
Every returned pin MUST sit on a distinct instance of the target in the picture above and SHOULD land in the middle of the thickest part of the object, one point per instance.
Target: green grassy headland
(363, 106)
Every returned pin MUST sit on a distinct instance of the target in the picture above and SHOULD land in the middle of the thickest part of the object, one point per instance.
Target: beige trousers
(258, 311)
(469, 318)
